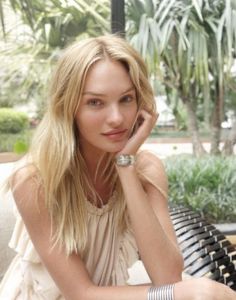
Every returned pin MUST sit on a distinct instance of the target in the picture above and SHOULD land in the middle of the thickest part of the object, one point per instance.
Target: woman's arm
(193, 289)
(70, 274)
(148, 209)
(149, 216)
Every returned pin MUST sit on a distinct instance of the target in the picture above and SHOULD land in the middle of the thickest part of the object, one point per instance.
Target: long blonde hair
(54, 150)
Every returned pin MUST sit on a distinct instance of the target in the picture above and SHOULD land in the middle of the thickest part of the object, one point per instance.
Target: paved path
(5, 170)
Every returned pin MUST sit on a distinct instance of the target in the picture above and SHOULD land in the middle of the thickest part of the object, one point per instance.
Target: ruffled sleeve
(127, 256)
(21, 243)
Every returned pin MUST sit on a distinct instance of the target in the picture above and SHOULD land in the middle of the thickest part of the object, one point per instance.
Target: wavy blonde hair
(54, 150)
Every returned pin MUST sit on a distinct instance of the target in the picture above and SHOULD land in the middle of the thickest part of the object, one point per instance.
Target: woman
(88, 203)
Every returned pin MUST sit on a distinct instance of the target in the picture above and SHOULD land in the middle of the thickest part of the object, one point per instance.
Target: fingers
(152, 116)
(148, 122)
(145, 122)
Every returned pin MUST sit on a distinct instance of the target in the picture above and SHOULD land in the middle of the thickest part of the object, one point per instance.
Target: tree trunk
(118, 17)
(198, 149)
(216, 120)
(228, 148)
(215, 140)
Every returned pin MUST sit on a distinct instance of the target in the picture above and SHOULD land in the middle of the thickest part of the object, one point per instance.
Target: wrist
(187, 287)
(125, 160)
(165, 292)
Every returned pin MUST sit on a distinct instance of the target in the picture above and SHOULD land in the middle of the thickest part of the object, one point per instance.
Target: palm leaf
(2, 18)
(198, 5)
(162, 14)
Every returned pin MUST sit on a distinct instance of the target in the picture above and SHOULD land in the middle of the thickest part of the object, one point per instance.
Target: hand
(203, 289)
(147, 122)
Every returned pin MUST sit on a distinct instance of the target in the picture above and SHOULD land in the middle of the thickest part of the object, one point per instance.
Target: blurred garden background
(190, 49)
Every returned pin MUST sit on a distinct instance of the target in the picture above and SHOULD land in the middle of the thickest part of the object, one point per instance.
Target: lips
(115, 134)
(112, 132)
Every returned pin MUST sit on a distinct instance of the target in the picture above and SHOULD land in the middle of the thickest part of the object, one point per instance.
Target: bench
(206, 250)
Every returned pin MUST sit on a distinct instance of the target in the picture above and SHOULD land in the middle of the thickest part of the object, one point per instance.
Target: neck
(96, 164)
(96, 160)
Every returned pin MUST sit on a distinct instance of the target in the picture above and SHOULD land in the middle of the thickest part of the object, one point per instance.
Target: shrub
(20, 147)
(207, 185)
(15, 142)
(12, 121)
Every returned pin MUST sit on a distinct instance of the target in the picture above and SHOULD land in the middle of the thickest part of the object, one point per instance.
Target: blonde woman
(89, 204)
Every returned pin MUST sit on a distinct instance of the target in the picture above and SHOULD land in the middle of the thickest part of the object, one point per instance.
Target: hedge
(12, 121)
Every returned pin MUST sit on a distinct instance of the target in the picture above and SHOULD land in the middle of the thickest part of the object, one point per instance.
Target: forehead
(107, 74)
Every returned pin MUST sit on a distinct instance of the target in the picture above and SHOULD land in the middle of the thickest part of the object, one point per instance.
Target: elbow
(175, 268)
(181, 264)
(172, 272)
(178, 267)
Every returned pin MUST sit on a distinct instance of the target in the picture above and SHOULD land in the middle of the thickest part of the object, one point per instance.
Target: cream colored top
(107, 259)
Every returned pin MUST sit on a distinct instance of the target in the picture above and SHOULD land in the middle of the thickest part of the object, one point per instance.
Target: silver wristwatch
(125, 160)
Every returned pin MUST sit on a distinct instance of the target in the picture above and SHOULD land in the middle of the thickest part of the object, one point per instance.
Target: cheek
(132, 114)
(87, 122)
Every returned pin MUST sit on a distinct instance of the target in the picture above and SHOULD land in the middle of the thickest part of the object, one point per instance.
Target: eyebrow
(100, 94)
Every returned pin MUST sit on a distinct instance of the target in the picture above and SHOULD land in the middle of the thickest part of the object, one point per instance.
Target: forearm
(131, 293)
(160, 255)
(193, 289)
(117, 293)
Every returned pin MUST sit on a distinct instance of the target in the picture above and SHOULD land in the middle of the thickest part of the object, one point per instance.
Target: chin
(115, 148)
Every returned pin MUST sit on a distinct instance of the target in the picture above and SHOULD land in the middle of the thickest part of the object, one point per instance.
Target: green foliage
(15, 142)
(28, 54)
(12, 121)
(207, 185)
(190, 47)
(20, 147)
(55, 23)
(23, 78)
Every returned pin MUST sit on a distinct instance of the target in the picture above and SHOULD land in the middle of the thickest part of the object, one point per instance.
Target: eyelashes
(94, 102)
(127, 98)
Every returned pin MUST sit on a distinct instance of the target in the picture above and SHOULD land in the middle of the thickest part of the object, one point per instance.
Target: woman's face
(108, 108)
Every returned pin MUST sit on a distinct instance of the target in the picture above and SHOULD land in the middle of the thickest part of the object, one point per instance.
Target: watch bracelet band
(125, 160)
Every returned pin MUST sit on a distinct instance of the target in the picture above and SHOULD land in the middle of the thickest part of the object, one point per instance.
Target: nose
(115, 116)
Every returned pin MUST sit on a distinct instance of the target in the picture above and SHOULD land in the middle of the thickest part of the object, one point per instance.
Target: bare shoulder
(148, 160)
(30, 202)
(152, 172)
(25, 186)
